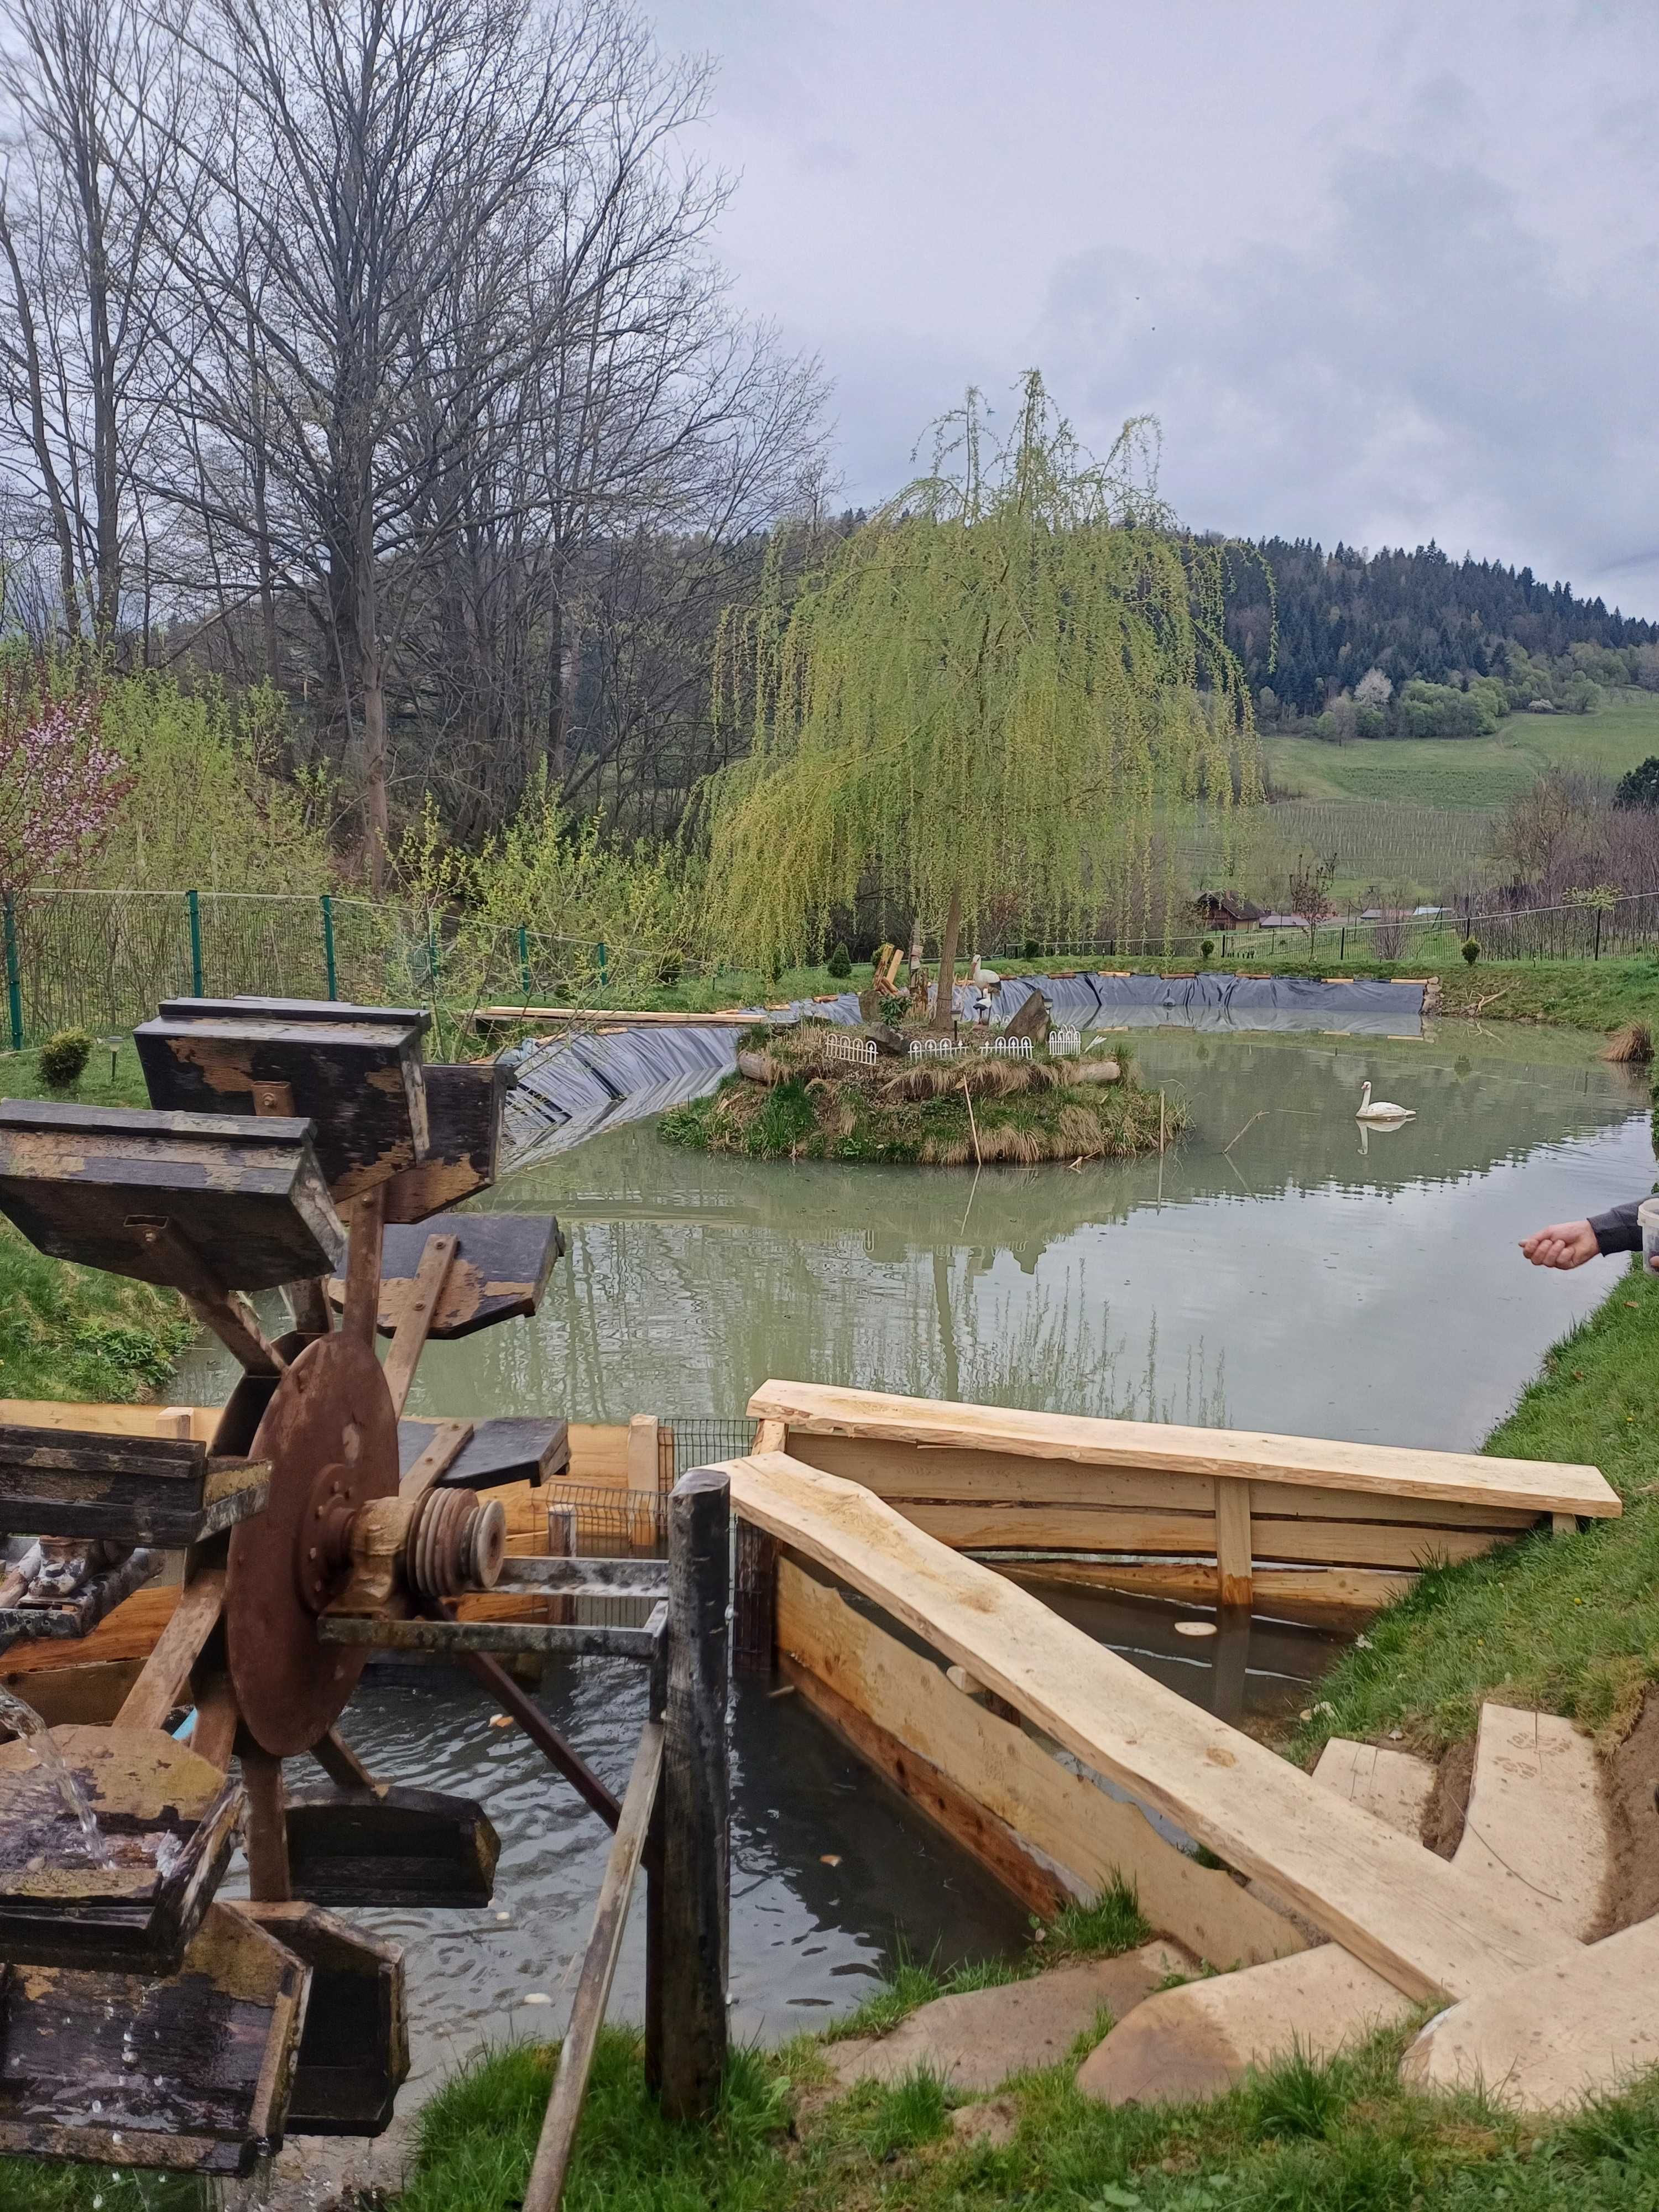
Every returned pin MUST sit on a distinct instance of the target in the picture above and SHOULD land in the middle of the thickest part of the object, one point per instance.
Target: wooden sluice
(1049, 1778)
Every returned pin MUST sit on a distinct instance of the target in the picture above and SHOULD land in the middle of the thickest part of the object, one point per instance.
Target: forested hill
(1409, 613)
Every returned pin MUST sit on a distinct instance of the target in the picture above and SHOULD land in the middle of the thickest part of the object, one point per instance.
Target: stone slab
(976, 2041)
(1197, 2041)
(1537, 1820)
(1393, 1785)
(1551, 2039)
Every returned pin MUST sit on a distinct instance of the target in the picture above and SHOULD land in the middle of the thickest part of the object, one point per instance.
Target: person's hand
(1565, 1244)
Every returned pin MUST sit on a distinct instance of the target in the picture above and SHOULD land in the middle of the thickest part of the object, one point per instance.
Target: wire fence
(103, 961)
(1572, 929)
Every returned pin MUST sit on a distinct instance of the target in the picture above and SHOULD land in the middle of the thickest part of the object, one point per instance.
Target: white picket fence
(1065, 1043)
(860, 1050)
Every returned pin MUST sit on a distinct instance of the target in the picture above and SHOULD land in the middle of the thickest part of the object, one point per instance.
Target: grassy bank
(1568, 1624)
(73, 1331)
(953, 1113)
(1338, 2138)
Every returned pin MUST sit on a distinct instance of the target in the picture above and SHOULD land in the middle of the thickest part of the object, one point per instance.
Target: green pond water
(1279, 1268)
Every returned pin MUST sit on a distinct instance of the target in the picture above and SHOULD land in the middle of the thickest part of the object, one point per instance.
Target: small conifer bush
(64, 1058)
(840, 962)
(1471, 950)
(1206, 948)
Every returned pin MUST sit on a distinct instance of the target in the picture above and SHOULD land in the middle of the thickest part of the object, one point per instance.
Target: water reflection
(1281, 1268)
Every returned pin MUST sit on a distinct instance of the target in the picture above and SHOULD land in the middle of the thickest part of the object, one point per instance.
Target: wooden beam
(267, 1877)
(575, 2062)
(409, 1339)
(360, 1316)
(963, 1765)
(624, 1017)
(1410, 1915)
(167, 1671)
(1531, 1485)
(1319, 1597)
(1232, 1544)
(998, 1849)
(449, 1440)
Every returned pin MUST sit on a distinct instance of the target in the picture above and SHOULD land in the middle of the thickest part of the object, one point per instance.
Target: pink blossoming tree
(60, 783)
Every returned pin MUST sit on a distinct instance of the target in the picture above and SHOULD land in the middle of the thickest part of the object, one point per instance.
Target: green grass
(1469, 772)
(73, 1331)
(815, 1109)
(1339, 2137)
(1567, 1624)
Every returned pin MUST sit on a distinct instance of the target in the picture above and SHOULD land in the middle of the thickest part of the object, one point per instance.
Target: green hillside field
(1409, 814)
(1467, 772)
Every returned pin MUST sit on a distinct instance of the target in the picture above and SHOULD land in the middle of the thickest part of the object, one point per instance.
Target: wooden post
(562, 1544)
(267, 1826)
(643, 1482)
(564, 2106)
(1232, 1543)
(689, 1901)
(360, 1316)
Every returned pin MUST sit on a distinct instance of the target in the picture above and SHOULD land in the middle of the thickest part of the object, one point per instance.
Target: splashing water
(18, 1716)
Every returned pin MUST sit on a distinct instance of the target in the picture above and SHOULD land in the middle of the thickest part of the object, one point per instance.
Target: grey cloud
(1421, 363)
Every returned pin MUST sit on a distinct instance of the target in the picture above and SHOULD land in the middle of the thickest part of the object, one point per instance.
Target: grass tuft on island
(795, 1103)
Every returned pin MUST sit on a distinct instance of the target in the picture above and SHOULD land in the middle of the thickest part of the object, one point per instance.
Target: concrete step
(1198, 2040)
(976, 2041)
(1395, 1785)
(1550, 2040)
(1536, 1830)
(1538, 1820)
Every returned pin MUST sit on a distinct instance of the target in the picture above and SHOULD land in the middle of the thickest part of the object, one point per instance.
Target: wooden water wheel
(282, 1138)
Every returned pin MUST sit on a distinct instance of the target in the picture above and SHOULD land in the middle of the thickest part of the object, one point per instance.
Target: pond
(1281, 1268)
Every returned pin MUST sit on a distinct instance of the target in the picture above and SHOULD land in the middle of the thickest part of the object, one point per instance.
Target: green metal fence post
(524, 961)
(194, 903)
(328, 943)
(431, 955)
(14, 978)
(602, 981)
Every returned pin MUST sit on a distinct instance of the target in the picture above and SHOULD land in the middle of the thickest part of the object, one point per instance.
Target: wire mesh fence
(103, 961)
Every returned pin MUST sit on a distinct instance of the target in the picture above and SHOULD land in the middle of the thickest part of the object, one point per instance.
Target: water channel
(1279, 1269)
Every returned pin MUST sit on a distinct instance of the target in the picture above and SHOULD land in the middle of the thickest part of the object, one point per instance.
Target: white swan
(1383, 1109)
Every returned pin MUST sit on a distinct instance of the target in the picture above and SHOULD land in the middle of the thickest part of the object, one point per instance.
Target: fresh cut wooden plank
(1540, 1486)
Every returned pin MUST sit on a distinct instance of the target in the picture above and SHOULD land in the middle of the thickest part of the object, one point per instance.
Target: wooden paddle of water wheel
(142, 2022)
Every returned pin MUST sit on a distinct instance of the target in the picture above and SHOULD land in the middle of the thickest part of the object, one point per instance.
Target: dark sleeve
(1617, 1230)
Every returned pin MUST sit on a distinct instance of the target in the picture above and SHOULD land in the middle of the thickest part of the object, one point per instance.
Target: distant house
(1226, 910)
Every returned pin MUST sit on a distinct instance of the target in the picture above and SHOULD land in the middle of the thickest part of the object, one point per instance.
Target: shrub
(64, 1058)
(840, 962)
(669, 972)
(1030, 950)
(1206, 948)
(1471, 950)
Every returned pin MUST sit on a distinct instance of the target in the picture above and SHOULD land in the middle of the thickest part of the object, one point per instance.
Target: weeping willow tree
(983, 697)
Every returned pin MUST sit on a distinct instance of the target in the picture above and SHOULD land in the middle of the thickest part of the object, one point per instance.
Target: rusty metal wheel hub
(331, 1437)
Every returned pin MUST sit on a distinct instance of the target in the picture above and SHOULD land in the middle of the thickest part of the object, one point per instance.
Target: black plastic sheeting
(568, 1088)
(1215, 1001)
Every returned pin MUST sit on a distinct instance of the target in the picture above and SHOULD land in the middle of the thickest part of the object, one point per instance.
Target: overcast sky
(1384, 272)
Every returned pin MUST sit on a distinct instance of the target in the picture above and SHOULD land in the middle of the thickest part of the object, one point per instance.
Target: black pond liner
(568, 1090)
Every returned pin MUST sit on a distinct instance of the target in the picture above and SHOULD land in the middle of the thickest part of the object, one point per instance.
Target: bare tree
(95, 92)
